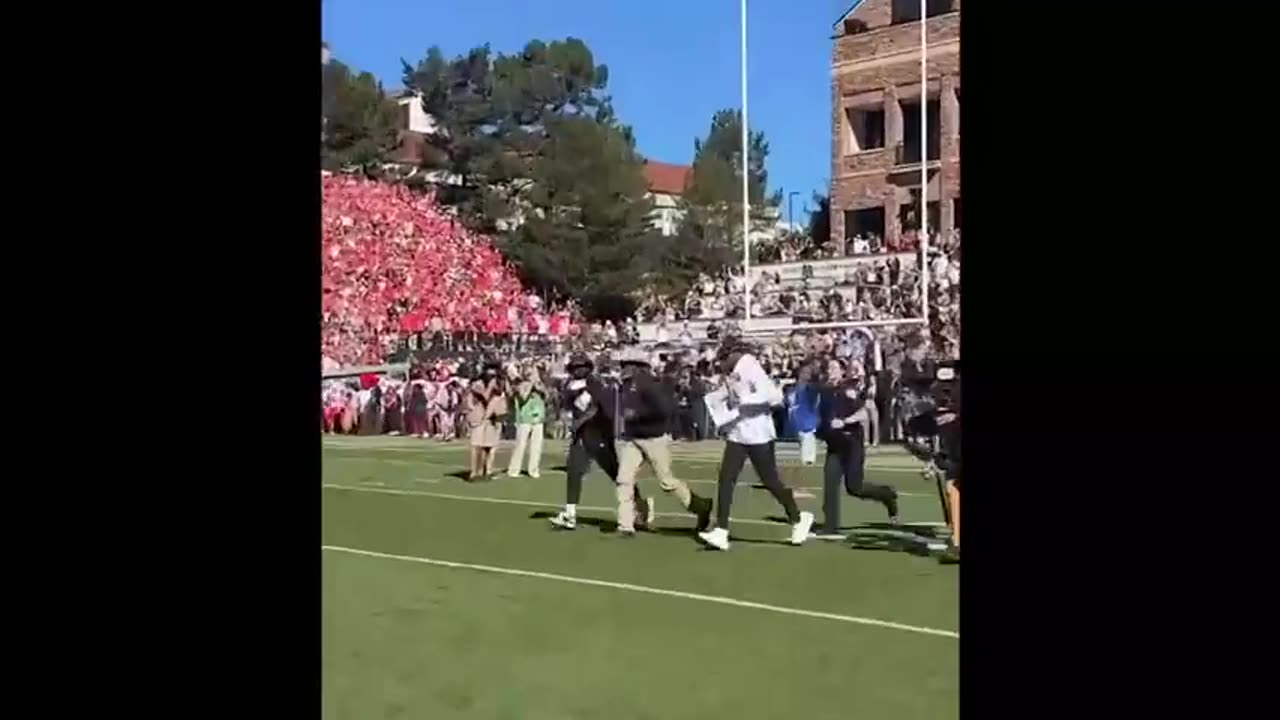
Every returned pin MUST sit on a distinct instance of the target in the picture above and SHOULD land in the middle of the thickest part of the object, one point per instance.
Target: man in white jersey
(750, 436)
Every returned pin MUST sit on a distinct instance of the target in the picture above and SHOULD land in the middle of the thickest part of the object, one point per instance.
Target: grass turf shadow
(610, 527)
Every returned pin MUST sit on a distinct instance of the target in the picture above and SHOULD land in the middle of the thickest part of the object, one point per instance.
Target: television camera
(929, 391)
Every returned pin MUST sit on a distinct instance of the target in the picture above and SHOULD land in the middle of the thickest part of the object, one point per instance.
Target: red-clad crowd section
(396, 263)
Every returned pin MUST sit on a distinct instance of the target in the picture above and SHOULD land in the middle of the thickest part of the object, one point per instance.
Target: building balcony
(874, 159)
(904, 154)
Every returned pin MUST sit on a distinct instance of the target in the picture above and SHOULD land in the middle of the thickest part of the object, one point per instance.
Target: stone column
(892, 228)
(950, 111)
(947, 211)
(837, 160)
(892, 118)
(837, 220)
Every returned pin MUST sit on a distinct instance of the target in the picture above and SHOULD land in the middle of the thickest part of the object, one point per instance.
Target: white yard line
(650, 590)
(535, 503)
(549, 471)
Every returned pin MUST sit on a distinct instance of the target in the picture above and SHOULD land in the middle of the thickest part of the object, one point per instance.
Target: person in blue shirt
(802, 409)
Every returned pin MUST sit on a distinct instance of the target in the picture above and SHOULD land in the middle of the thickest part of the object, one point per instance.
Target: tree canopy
(819, 231)
(359, 123)
(530, 150)
(535, 155)
(710, 233)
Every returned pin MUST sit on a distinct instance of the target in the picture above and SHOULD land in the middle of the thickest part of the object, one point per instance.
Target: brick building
(876, 144)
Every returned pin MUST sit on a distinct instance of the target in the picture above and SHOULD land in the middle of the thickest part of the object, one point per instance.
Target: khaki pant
(631, 453)
(531, 436)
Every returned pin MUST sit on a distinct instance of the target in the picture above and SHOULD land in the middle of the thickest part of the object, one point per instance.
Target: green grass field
(443, 599)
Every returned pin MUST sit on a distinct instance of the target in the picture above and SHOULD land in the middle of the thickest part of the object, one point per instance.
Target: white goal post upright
(924, 164)
(746, 198)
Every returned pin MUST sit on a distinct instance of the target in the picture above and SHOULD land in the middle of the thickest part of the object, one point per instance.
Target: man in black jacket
(644, 416)
(590, 439)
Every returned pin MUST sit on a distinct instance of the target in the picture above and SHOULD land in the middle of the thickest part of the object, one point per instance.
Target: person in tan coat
(486, 405)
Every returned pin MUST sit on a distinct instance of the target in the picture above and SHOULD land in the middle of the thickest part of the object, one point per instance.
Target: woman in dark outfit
(392, 420)
(371, 414)
(416, 407)
(840, 426)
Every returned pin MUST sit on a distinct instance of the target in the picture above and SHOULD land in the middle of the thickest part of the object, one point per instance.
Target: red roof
(666, 178)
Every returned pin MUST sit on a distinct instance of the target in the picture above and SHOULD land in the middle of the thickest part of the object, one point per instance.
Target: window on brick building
(866, 129)
(909, 10)
(865, 222)
(911, 130)
(909, 213)
(853, 26)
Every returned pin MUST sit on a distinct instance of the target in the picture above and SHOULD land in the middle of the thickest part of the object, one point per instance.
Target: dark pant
(766, 466)
(583, 450)
(845, 458)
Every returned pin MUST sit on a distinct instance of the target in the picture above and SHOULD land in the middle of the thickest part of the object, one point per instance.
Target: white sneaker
(535, 475)
(800, 531)
(717, 538)
(564, 520)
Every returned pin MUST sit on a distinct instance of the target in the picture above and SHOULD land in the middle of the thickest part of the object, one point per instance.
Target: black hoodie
(649, 405)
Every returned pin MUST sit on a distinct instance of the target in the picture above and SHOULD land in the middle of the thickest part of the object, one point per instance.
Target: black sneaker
(701, 507)
(627, 534)
(892, 506)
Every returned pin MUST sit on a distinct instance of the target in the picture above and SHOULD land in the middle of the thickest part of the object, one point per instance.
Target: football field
(444, 599)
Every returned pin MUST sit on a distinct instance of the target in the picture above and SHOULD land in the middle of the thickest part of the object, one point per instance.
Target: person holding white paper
(751, 394)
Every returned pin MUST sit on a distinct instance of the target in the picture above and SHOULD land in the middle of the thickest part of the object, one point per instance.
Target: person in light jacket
(530, 406)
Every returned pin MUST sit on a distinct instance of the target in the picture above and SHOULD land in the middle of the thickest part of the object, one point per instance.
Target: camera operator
(843, 408)
(917, 378)
(949, 434)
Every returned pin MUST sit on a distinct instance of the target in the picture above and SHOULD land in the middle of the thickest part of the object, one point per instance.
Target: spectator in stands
(393, 261)
(663, 333)
(686, 335)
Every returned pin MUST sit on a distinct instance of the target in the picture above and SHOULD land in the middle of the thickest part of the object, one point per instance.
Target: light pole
(746, 198)
(791, 217)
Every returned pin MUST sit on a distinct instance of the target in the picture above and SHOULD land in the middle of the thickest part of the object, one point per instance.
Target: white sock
(571, 509)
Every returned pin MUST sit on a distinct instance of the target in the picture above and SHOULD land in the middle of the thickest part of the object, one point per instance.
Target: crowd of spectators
(437, 380)
(879, 289)
(396, 263)
(800, 247)
(400, 275)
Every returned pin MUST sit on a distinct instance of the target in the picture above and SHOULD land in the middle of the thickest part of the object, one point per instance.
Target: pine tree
(710, 233)
(359, 123)
(539, 159)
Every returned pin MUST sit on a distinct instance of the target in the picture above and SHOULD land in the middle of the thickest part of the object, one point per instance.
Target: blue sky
(672, 63)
